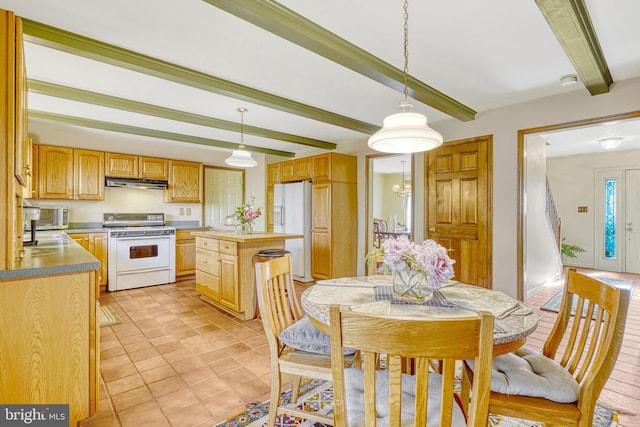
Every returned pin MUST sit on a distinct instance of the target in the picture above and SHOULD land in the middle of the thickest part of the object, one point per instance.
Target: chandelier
(406, 131)
(241, 158)
(404, 188)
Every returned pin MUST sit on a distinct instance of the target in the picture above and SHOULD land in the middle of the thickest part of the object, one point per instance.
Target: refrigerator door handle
(278, 215)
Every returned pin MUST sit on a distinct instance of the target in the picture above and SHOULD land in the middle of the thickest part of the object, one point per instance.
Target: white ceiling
(485, 55)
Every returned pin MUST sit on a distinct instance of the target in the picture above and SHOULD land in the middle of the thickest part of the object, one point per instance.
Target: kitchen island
(225, 275)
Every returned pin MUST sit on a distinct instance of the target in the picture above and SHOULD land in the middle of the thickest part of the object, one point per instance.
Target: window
(610, 189)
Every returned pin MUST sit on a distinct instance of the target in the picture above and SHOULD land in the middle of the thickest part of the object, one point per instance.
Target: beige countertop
(247, 238)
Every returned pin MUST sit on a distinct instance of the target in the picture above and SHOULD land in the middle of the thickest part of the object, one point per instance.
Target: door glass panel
(610, 219)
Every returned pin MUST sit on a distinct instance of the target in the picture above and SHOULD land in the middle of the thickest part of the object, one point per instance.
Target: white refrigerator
(292, 215)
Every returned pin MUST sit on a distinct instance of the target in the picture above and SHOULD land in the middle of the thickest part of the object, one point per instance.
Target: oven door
(142, 253)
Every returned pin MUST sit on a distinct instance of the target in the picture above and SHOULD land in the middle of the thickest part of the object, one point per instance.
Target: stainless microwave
(51, 218)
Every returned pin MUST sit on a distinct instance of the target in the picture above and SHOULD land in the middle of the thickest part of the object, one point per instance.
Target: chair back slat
(423, 341)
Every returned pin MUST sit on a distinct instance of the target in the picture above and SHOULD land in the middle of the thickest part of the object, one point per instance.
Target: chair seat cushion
(303, 335)
(354, 396)
(529, 373)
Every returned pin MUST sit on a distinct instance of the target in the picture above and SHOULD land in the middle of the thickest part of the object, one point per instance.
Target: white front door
(618, 220)
(632, 221)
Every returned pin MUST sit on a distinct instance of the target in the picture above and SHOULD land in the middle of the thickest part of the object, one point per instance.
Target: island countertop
(246, 238)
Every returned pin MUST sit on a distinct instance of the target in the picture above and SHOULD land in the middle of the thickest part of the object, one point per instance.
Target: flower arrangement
(428, 259)
(248, 212)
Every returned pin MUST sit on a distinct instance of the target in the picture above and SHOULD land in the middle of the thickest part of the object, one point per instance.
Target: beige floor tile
(157, 374)
(124, 384)
(189, 416)
(148, 412)
(167, 385)
(131, 398)
(177, 400)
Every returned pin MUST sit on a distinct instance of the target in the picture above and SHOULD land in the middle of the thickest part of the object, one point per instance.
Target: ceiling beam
(570, 22)
(277, 19)
(95, 98)
(153, 133)
(56, 38)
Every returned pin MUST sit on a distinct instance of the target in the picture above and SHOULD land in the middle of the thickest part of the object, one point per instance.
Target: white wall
(542, 258)
(572, 180)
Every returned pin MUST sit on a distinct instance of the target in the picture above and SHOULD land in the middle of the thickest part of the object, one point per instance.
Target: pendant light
(406, 131)
(241, 158)
(404, 188)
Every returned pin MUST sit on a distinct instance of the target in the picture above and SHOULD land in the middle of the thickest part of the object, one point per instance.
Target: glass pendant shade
(241, 158)
(405, 132)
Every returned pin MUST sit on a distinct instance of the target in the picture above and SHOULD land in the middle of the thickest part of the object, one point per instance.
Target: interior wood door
(458, 206)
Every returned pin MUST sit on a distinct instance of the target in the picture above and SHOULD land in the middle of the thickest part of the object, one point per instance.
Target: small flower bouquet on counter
(247, 213)
(417, 268)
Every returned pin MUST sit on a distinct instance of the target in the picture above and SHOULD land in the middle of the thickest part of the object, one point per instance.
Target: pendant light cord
(406, 50)
(242, 111)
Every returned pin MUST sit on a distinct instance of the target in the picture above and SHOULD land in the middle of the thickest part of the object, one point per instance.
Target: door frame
(522, 134)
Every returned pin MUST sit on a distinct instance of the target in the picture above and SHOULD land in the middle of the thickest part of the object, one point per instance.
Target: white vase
(411, 286)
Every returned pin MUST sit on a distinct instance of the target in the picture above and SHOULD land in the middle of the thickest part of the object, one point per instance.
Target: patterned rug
(108, 316)
(318, 395)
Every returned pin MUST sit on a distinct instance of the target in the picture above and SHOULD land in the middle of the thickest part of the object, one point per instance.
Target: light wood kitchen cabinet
(88, 174)
(96, 244)
(185, 252)
(296, 170)
(225, 274)
(133, 166)
(70, 173)
(22, 151)
(49, 344)
(273, 177)
(55, 172)
(154, 168)
(334, 229)
(121, 165)
(334, 209)
(185, 182)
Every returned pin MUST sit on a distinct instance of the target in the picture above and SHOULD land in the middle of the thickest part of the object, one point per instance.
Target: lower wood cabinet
(185, 252)
(50, 348)
(225, 276)
(96, 244)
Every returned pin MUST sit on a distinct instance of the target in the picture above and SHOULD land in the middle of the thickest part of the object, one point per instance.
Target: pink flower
(428, 258)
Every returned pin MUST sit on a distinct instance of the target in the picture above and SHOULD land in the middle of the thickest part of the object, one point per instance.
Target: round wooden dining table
(514, 320)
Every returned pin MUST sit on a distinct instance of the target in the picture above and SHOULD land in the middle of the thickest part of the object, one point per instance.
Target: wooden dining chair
(389, 397)
(585, 348)
(280, 312)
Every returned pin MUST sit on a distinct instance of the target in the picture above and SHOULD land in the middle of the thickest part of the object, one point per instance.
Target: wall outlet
(188, 211)
(181, 211)
(582, 209)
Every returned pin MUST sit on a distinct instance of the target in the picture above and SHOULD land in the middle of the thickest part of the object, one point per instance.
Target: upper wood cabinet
(154, 168)
(133, 166)
(55, 172)
(296, 170)
(185, 182)
(88, 174)
(121, 165)
(68, 173)
(335, 167)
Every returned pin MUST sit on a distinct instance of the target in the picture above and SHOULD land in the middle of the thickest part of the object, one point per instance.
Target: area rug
(554, 302)
(318, 395)
(108, 316)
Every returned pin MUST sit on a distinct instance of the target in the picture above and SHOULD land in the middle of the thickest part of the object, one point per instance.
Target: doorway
(390, 207)
(585, 133)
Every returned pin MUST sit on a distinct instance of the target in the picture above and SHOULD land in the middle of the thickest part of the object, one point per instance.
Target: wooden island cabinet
(225, 276)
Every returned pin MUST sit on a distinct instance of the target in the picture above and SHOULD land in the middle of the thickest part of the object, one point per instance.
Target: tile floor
(177, 361)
